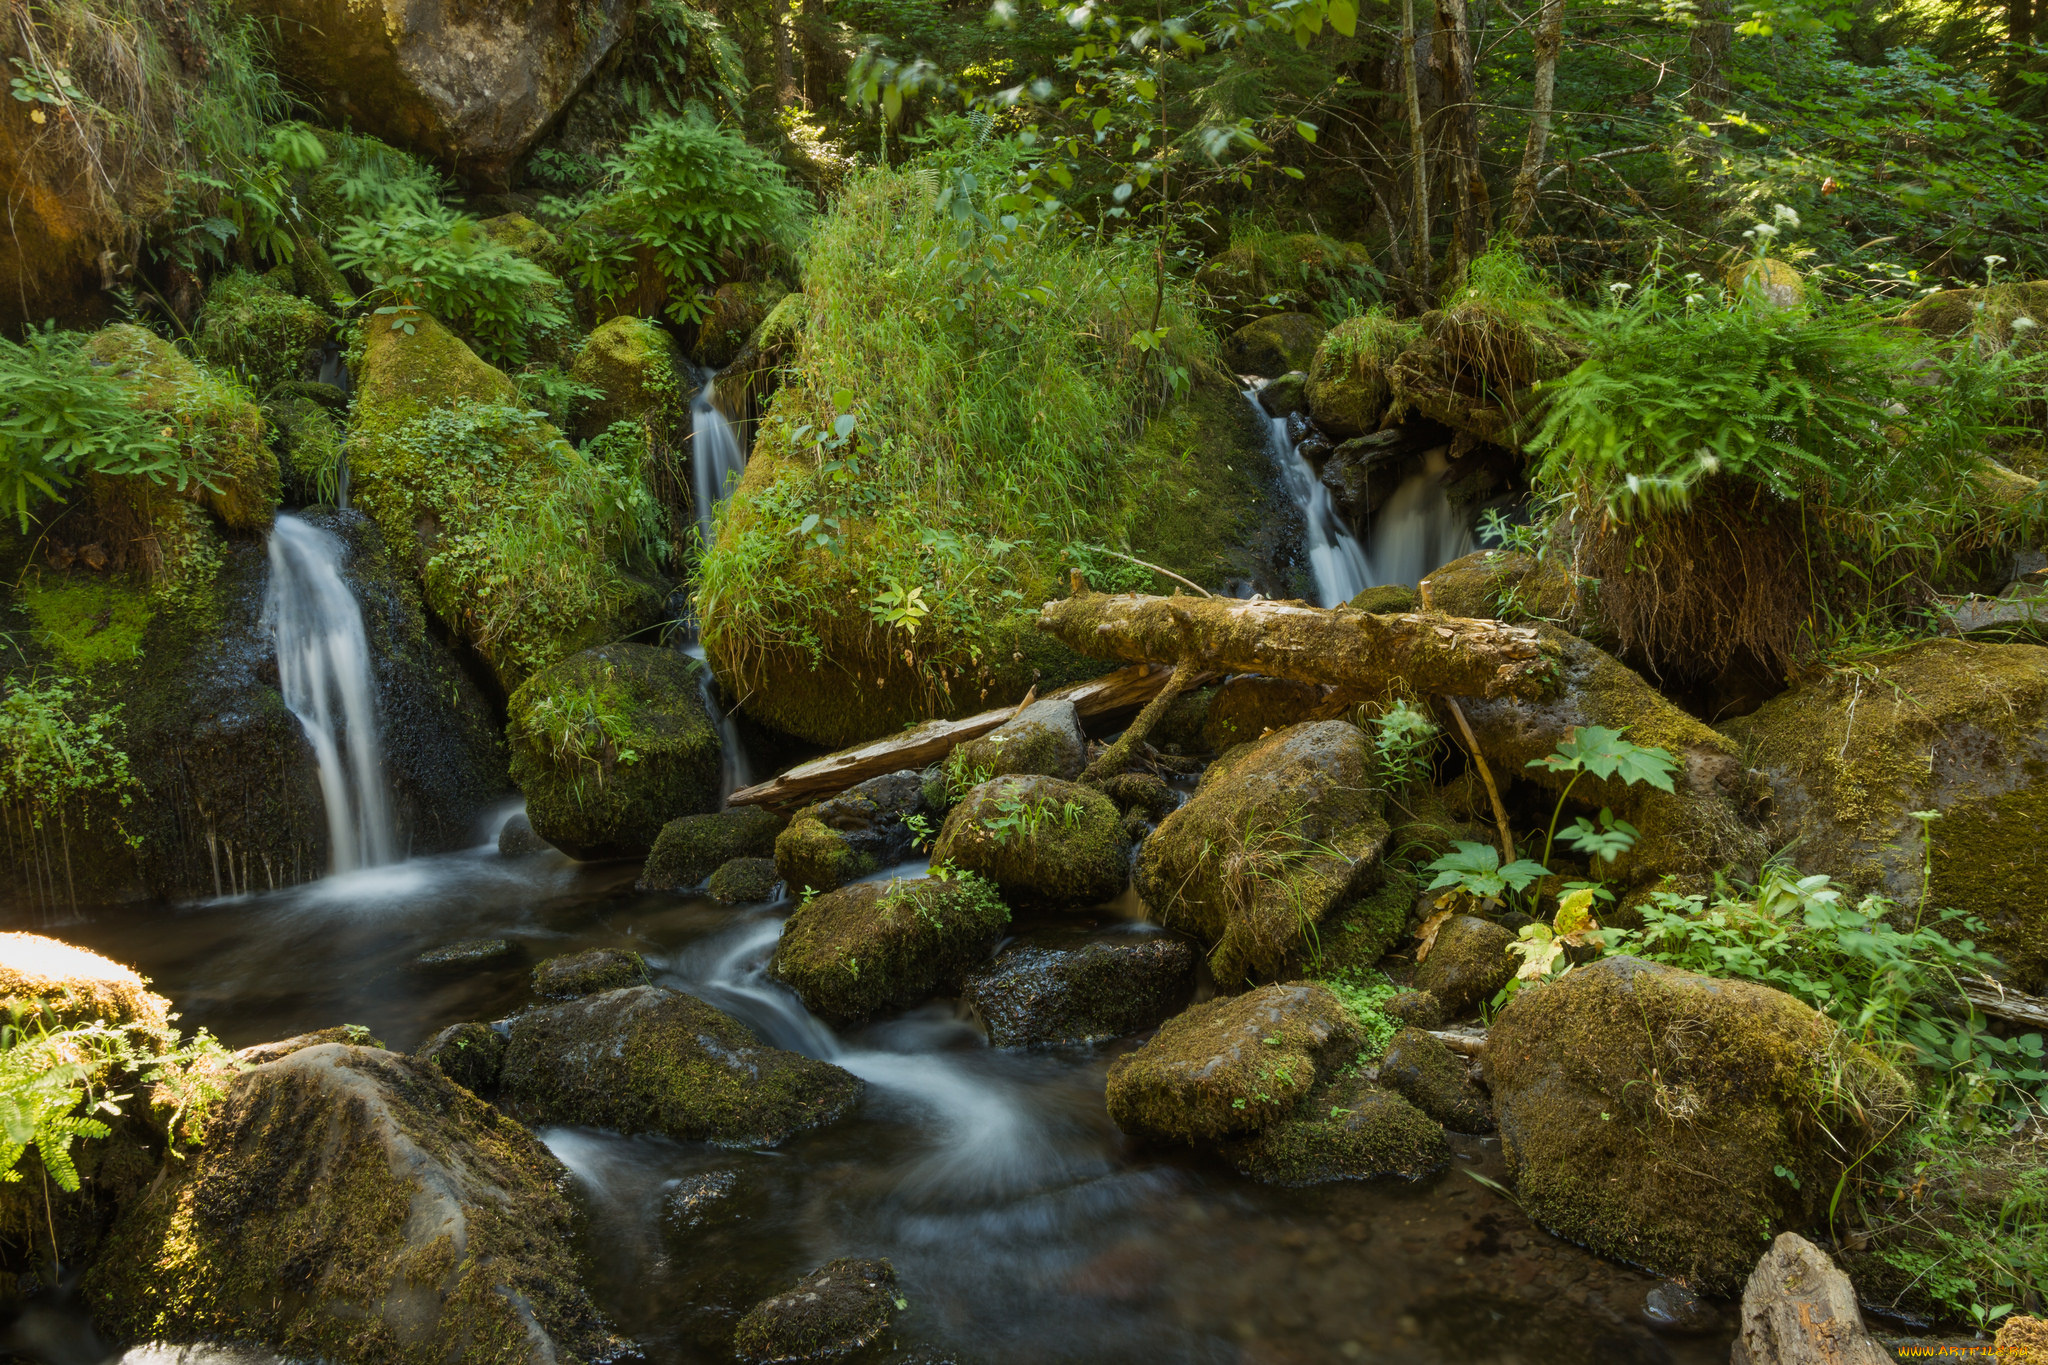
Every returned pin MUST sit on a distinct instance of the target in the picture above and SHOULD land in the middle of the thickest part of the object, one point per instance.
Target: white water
(323, 667)
(716, 460)
(1418, 530)
(734, 768)
(1335, 558)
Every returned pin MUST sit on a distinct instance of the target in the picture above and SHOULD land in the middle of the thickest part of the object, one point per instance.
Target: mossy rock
(517, 839)
(1045, 738)
(650, 1060)
(745, 881)
(1945, 725)
(264, 332)
(692, 847)
(639, 370)
(1285, 396)
(1414, 1009)
(1040, 840)
(1778, 283)
(1233, 1065)
(468, 1054)
(309, 441)
(412, 1222)
(1435, 1080)
(591, 972)
(1275, 345)
(1247, 707)
(1142, 793)
(879, 947)
(1985, 312)
(1347, 1130)
(844, 838)
(1074, 987)
(529, 240)
(736, 310)
(1502, 585)
(834, 1311)
(1179, 730)
(1279, 834)
(1301, 266)
(609, 746)
(1358, 935)
(468, 952)
(64, 985)
(1347, 387)
(1468, 962)
(1646, 1114)
(211, 416)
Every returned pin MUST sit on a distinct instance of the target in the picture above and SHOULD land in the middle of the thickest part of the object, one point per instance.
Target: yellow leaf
(1575, 912)
(36, 116)
(1427, 935)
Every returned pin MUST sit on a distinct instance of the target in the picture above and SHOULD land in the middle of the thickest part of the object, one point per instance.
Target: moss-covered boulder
(1413, 1009)
(1988, 313)
(358, 1206)
(1646, 1113)
(1946, 725)
(1348, 389)
(516, 839)
(1501, 584)
(1467, 963)
(1248, 707)
(1140, 793)
(736, 310)
(692, 847)
(1285, 396)
(65, 985)
(213, 418)
(250, 326)
(1346, 1130)
(1275, 345)
(1778, 283)
(591, 972)
(1357, 935)
(745, 881)
(609, 746)
(1435, 1080)
(1278, 834)
(1045, 737)
(1389, 599)
(844, 838)
(1234, 1064)
(468, 1054)
(879, 947)
(1071, 987)
(645, 1060)
(834, 1311)
(639, 371)
(308, 441)
(1039, 839)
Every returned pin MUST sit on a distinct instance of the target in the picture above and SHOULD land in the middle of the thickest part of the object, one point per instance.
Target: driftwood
(1414, 653)
(928, 743)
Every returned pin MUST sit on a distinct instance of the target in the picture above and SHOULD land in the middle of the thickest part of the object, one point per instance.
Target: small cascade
(716, 459)
(323, 667)
(1418, 530)
(1335, 558)
(734, 770)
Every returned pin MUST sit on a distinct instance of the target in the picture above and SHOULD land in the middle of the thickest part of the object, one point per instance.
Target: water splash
(716, 460)
(1335, 558)
(1418, 530)
(323, 667)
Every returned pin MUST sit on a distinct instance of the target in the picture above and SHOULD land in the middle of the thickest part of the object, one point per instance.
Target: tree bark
(1374, 655)
(785, 75)
(1461, 99)
(2019, 22)
(1418, 150)
(1549, 39)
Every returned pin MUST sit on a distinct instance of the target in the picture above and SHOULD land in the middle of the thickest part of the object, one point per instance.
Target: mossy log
(1412, 652)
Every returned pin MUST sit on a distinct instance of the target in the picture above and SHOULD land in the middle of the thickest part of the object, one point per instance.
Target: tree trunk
(1708, 56)
(1418, 149)
(1468, 186)
(785, 75)
(1376, 655)
(1549, 39)
(2019, 22)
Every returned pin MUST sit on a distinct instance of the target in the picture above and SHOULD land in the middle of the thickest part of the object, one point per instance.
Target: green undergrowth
(1362, 991)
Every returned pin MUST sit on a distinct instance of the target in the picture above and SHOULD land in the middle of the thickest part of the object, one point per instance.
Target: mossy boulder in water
(609, 746)
(1435, 1080)
(1067, 987)
(355, 1205)
(878, 947)
(638, 370)
(844, 838)
(1275, 345)
(1045, 737)
(692, 847)
(265, 332)
(468, 1054)
(591, 972)
(1345, 1130)
(1467, 962)
(646, 1060)
(745, 881)
(1951, 726)
(1279, 834)
(1234, 1064)
(831, 1312)
(1348, 388)
(1646, 1113)
(1040, 840)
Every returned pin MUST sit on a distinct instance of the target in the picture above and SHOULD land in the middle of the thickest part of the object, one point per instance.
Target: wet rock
(1645, 1113)
(736, 309)
(588, 973)
(1947, 725)
(469, 952)
(1045, 738)
(1676, 1308)
(689, 849)
(65, 985)
(1362, 473)
(1062, 987)
(1040, 840)
(1348, 385)
(1500, 584)
(1233, 1064)
(583, 794)
(1347, 1130)
(410, 1220)
(1467, 963)
(879, 947)
(1278, 834)
(1275, 345)
(1389, 599)
(1248, 706)
(1142, 793)
(355, 1035)
(640, 374)
(650, 1060)
(1286, 395)
(517, 839)
(1414, 1009)
(833, 1311)
(1356, 936)
(1435, 1080)
(470, 1055)
(859, 831)
(1798, 1309)
(745, 881)
(696, 1200)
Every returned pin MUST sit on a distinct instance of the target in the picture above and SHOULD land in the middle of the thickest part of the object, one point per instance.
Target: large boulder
(1674, 1120)
(1040, 840)
(1045, 737)
(1275, 345)
(64, 985)
(469, 87)
(355, 1205)
(845, 837)
(1067, 987)
(1501, 584)
(1950, 726)
(1348, 388)
(865, 950)
(692, 847)
(639, 373)
(610, 745)
(1279, 834)
(644, 1060)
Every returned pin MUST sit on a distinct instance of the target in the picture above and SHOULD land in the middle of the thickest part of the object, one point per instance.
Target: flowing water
(1335, 559)
(716, 460)
(1418, 530)
(1025, 1228)
(323, 668)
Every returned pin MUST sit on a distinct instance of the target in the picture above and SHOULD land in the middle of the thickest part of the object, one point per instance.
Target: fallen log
(1409, 653)
(928, 743)
(2002, 1002)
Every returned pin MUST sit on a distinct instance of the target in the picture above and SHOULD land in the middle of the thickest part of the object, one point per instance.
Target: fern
(442, 263)
(45, 1080)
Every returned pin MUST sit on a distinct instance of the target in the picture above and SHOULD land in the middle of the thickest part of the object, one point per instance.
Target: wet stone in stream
(469, 952)
(698, 1199)
(579, 974)
(833, 1311)
(1056, 987)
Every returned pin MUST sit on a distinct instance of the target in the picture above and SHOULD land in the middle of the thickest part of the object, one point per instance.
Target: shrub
(440, 262)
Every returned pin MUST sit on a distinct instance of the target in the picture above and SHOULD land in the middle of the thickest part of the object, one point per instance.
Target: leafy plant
(1543, 946)
(440, 262)
(46, 1080)
(1476, 871)
(1404, 745)
(1604, 753)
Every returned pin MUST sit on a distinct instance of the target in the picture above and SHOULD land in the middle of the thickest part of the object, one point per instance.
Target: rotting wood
(928, 743)
(2002, 1002)
(1464, 1042)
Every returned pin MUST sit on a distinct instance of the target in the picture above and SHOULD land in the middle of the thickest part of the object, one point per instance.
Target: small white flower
(1994, 261)
(1763, 232)
(2024, 324)
(1618, 288)
(1783, 213)
(1709, 462)
(1691, 299)
(1694, 277)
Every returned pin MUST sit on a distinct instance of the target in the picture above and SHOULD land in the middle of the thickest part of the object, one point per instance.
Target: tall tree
(1418, 151)
(1461, 110)
(1549, 39)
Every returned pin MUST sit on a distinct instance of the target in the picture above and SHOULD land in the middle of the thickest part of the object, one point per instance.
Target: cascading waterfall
(716, 462)
(1335, 557)
(734, 770)
(323, 667)
(1418, 530)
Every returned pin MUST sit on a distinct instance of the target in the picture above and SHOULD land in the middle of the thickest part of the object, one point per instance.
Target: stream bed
(1025, 1228)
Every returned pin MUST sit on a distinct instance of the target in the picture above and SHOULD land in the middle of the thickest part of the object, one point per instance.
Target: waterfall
(734, 771)
(1334, 556)
(716, 459)
(1418, 530)
(323, 669)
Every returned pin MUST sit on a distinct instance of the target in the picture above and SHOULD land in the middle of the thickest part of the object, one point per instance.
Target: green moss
(1301, 267)
(692, 847)
(1347, 1130)
(833, 1311)
(590, 972)
(1044, 738)
(1276, 345)
(468, 1054)
(745, 881)
(1076, 986)
(812, 856)
(260, 331)
(637, 367)
(1390, 599)
(1436, 1081)
(738, 308)
(609, 746)
(1467, 963)
(1361, 933)
(88, 622)
(1247, 707)
(1502, 584)
(870, 949)
(1348, 389)
(1039, 839)
(1985, 312)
